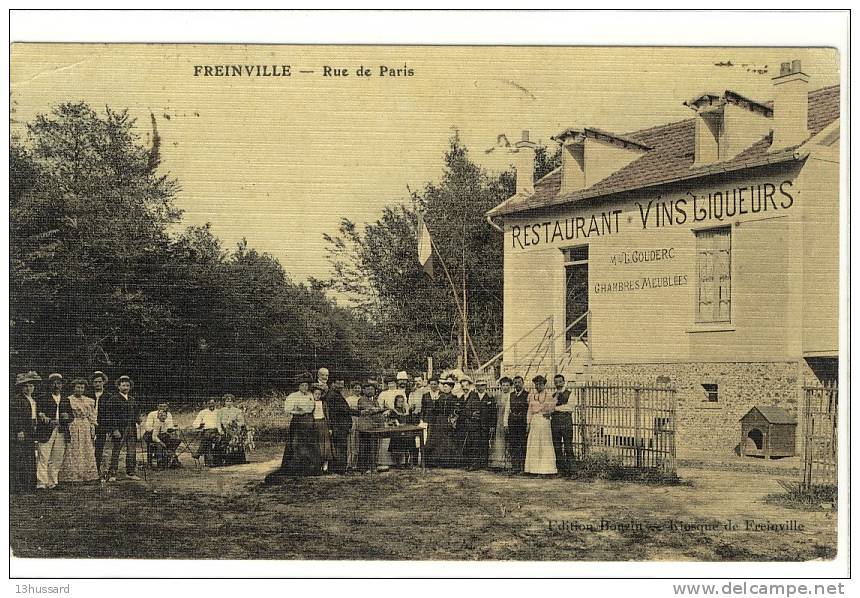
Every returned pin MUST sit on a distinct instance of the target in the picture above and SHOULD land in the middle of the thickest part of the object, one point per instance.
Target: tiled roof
(670, 159)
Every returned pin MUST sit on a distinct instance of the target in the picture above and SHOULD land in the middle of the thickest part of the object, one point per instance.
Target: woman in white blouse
(540, 452)
(302, 450)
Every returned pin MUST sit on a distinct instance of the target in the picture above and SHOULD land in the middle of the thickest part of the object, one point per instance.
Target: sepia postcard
(425, 303)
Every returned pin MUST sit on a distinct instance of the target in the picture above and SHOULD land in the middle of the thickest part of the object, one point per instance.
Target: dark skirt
(442, 449)
(22, 465)
(474, 443)
(302, 455)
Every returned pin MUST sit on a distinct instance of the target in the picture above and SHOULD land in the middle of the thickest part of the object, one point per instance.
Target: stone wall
(714, 427)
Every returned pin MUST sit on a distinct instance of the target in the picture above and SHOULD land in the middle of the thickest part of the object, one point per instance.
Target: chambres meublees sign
(721, 205)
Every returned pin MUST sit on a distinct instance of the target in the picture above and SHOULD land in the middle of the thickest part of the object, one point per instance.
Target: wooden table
(403, 431)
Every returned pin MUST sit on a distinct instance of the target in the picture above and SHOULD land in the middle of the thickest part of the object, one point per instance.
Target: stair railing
(513, 345)
(584, 337)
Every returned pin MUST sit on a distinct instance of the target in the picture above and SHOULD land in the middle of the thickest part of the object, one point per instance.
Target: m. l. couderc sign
(694, 209)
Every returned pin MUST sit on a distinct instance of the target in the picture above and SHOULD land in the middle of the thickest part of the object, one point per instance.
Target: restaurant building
(701, 254)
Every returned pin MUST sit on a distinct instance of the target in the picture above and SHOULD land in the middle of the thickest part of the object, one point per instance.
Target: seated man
(207, 421)
(232, 422)
(165, 440)
(149, 423)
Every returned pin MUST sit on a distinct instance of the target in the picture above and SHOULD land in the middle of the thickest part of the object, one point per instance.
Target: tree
(86, 204)
(98, 281)
(378, 270)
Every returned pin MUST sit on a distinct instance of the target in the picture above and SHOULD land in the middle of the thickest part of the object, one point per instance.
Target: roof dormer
(589, 155)
(727, 124)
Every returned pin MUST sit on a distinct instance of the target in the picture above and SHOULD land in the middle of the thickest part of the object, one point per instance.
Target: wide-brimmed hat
(402, 375)
(55, 376)
(27, 378)
(99, 374)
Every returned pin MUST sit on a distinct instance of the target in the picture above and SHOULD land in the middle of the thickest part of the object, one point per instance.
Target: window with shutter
(714, 264)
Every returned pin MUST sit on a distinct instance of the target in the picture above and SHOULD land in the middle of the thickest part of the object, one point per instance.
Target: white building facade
(701, 254)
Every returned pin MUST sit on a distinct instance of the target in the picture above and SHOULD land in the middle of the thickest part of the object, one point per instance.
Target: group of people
(224, 433)
(464, 425)
(59, 438)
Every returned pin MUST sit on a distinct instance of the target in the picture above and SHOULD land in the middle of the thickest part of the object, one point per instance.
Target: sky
(279, 160)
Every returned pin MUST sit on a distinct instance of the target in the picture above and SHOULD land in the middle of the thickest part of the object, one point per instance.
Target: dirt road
(443, 514)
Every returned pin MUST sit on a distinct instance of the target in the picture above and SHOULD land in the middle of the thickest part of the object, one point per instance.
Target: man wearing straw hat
(52, 430)
(120, 414)
(22, 426)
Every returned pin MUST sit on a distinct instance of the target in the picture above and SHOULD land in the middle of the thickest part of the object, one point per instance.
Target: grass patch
(816, 498)
(599, 466)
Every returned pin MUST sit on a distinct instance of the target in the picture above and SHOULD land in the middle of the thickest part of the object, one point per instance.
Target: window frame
(714, 319)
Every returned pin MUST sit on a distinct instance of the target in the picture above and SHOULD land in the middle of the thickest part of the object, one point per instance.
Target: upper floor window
(714, 265)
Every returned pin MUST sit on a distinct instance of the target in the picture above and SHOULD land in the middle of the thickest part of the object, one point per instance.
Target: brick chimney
(525, 165)
(790, 106)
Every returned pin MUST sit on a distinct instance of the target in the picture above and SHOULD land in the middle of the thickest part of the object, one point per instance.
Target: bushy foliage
(99, 281)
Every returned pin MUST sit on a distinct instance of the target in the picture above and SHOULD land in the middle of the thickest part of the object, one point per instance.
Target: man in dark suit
(518, 424)
(340, 423)
(22, 425)
(52, 431)
(119, 413)
(561, 423)
(474, 425)
(99, 381)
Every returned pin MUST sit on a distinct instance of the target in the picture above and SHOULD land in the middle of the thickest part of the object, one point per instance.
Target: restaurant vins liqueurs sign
(762, 199)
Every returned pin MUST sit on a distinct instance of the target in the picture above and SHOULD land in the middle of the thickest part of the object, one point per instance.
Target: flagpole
(456, 293)
(465, 305)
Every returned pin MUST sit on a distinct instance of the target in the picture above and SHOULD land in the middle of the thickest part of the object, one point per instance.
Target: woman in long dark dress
(442, 450)
(302, 450)
(22, 425)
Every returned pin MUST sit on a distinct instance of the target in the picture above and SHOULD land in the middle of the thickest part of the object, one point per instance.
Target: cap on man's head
(55, 377)
(99, 374)
(402, 375)
(481, 382)
(466, 379)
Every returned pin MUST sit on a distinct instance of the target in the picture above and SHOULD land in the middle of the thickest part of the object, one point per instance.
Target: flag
(425, 247)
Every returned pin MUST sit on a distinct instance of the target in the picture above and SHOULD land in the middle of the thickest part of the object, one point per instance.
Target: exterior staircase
(535, 352)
